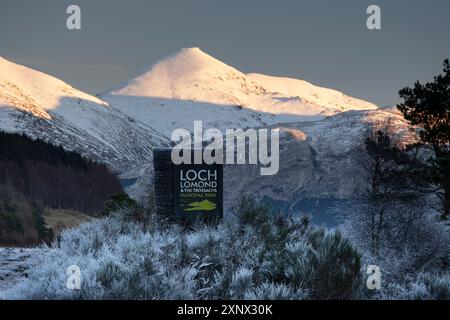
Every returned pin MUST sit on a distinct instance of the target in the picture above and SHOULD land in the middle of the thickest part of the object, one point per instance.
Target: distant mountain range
(192, 85)
(320, 127)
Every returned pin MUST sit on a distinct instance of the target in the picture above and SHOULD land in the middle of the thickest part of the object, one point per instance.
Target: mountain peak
(192, 58)
(192, 50)
(192, 53)
(193, 76)
(173, 76)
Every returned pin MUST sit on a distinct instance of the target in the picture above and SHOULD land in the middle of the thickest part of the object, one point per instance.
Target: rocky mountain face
(321, 162)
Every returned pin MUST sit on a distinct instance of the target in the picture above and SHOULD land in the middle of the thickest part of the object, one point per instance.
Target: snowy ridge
(44, 107)
(34, 91)
(192, 85)
(331, 100)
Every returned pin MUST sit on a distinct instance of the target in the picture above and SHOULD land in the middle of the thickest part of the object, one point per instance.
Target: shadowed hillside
(53, 177)
(36, 176)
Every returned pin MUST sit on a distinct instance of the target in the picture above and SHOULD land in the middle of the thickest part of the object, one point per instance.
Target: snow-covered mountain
(321, 128)
(192, 85)
(45, 107)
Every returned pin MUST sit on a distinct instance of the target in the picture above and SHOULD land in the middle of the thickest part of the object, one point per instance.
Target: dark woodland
(52, 177)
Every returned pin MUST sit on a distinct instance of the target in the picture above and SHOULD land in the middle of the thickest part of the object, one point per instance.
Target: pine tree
(428, 107)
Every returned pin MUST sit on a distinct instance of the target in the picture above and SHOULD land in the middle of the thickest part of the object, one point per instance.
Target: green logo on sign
(204, 205)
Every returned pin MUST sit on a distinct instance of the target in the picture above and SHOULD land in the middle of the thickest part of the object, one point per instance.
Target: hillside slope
(44, 107)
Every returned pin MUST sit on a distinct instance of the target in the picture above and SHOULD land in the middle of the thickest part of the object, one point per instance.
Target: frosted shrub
(426, 286)
(241, 282)
(331, 267)
(414, 242)
(249, 257)
(272, 291)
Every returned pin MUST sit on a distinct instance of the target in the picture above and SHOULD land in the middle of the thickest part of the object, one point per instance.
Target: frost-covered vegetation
(255, 255)
(396, 221)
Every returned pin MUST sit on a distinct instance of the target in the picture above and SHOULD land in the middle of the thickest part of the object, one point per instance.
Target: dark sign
(186, 191)
(198, 190)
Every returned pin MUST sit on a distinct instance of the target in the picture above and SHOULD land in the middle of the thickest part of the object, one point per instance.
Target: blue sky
(324, 42)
